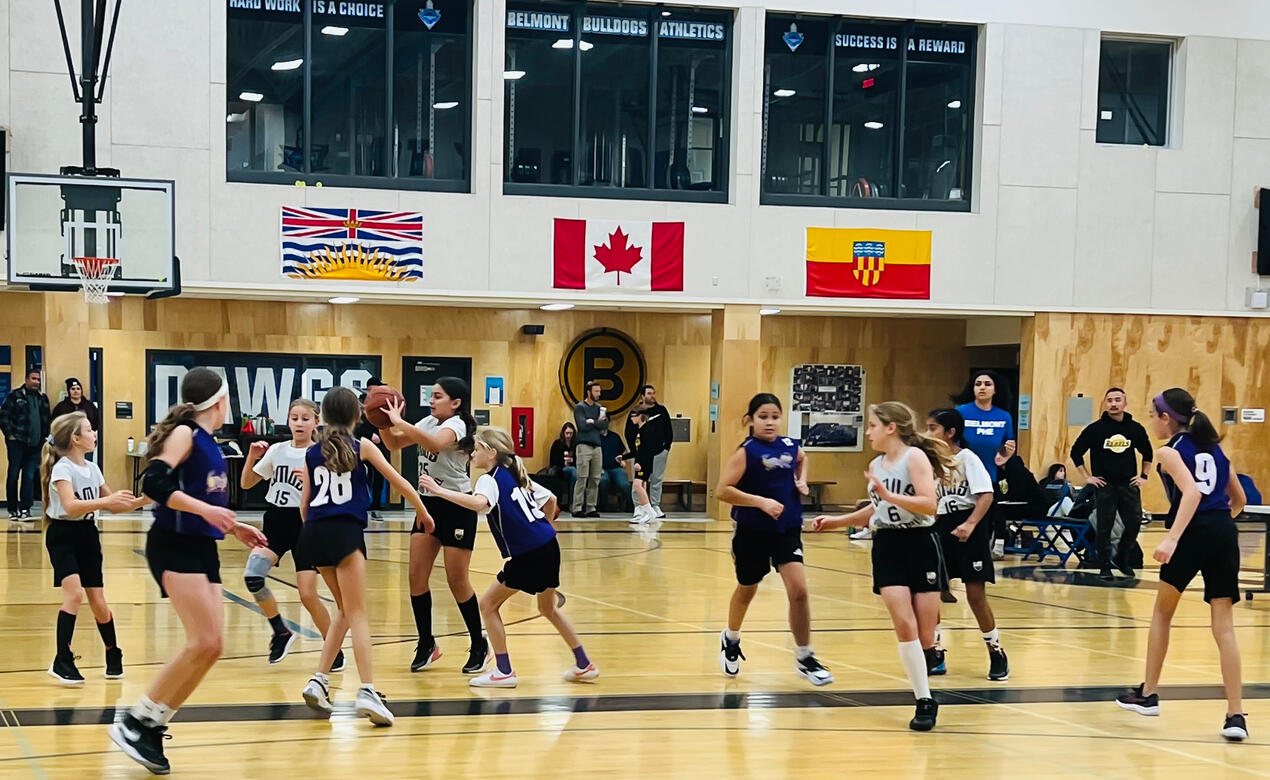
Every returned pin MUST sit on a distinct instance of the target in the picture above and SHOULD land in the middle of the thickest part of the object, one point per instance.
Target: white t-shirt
(283, 466)
(86, 482)
(968, 481)
(449, 466)
(487, 486)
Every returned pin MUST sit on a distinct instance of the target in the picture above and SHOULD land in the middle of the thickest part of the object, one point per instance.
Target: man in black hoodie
(1111, 442)
(658, 431)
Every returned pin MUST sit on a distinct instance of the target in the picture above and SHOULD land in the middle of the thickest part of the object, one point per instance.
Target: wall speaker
(538, 330)
(1263, 232)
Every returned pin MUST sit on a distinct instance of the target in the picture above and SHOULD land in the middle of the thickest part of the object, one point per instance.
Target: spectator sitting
(1057, 476)
(614, 472)
(561, 464)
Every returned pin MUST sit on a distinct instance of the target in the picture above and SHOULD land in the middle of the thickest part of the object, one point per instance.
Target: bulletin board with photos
(827, 407)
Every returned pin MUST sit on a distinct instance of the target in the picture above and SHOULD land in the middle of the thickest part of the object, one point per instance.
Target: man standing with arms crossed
(1111, 442)
(24, 418)
(592, 423)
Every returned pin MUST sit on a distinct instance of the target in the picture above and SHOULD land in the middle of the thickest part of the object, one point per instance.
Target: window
(1133, 92)
(858, 112)
(355, 93)
(616, 101)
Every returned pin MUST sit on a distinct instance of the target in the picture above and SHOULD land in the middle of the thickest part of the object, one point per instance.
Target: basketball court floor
(649, 606)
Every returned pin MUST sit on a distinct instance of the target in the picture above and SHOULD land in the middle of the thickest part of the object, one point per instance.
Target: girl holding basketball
(762, 481)
(335, 502)
(283, 465)
(519, 512)
(444, 439)
(188, 480)
(908, 565)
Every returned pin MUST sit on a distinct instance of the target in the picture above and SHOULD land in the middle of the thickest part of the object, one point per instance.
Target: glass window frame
(1169, 91)
(386, 182)
(579, 9)
(824, 199)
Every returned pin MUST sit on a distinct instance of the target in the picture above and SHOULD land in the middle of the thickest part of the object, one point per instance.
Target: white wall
(1059, 221)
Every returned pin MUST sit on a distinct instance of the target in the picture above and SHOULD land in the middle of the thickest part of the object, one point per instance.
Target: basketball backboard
(54, 219)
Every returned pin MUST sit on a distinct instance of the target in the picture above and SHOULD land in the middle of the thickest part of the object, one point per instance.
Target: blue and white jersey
(336, 495)
(515, 514)
(1211, 471)
(769, 472)
(202, 475)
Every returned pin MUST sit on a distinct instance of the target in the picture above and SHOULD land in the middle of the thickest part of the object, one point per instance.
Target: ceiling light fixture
(343, 299)
(700, 110)
(766, 310)
(443, 105)
(286, 64)
(784, 93)
(338, 32)
(865, 67)
(954, 104)
(513, 75)
(874, 125)
(556, 306)
(252, 97)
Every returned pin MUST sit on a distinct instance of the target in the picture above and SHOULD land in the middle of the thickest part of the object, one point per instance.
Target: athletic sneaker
(998, 664)
(657, 511)
(924, 717)
(338, 665)
(935, 661)
(1123, 567)
(494, 679)
(318, 696)
(25, 515)
(1235, 728)
(1135, 701)
(374, 515)
(478, 656)
(372, 705)
(141, 743)
(998, 550)
(63, 670)
(582, 675)
(425, 657)
(810, 670)
(280, 645)
(863, 535)
(644, 514)
(730, 655)
(592, 514)
(1106, 575)
(14, 515)
(114, 663)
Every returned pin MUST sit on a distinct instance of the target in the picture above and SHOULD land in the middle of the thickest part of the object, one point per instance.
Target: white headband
(210, 402)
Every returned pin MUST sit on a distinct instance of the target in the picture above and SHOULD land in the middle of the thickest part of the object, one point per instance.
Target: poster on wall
(261, 384)
(358, 245)
(827, 406)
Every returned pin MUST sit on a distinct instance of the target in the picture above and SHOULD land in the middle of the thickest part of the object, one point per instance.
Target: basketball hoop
(96, 273)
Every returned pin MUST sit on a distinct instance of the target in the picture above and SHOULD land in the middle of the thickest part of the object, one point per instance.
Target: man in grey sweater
(592, 422)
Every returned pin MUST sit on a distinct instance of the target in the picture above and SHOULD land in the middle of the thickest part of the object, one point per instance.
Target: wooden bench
(687, 488)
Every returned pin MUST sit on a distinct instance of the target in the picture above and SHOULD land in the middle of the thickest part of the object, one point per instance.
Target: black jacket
(66, 406)
(15, 420)
(656, 434)
(1111, 447)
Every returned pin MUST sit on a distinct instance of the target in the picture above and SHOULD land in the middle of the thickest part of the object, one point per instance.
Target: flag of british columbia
(356, 244)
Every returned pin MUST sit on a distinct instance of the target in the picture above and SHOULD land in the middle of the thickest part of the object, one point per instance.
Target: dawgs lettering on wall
(260, 383)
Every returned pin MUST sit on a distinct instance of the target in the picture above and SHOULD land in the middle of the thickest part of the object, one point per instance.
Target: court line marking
(10, 720)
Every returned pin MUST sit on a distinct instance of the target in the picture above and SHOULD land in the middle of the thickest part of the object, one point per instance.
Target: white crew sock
(152, 713)
(914, 661)
(802, 651)
(992, 637)
(731, 636)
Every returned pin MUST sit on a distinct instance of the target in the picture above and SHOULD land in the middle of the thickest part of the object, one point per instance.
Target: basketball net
(96, 273)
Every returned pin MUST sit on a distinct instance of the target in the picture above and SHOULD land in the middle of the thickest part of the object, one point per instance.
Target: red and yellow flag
(851, 263)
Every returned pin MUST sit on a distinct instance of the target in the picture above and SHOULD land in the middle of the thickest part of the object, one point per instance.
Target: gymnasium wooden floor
(649, 608)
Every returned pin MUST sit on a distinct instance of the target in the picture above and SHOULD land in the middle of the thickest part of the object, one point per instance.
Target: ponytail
(181, 414)
(340, 411)
(48, 457)
(500, 442)
(62, 432)
(1178, 405)
(937, 452)
(1203, 432)
(460, 391)
(201, 389)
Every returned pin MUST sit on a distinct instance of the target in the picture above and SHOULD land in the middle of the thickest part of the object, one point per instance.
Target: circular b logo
(609, 357)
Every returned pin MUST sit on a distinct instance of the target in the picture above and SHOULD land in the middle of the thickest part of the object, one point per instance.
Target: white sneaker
(582, 675)
(643, 514)
(371, 705)
(730, 655)
(998, 550)
(864, 534)
(317, 695)
(660, 514)
(495, 679)
(810, 670)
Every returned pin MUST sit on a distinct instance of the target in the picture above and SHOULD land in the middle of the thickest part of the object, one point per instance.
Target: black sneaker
(280, 645)
(998, 664)
(1136, 702)
(477, 657)
(935, 661)
(13, 515)
(1123, 568)
(810, 670)
(1235, 729)
(64, 671)
(1105, 574)
(924, 718)
(593, 514)
(141, 743)
(338, 665)
(114, 663)
(730, 655)
(25, 515)
(425, 656)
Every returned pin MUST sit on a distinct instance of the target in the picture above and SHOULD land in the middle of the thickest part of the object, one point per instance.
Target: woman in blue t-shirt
(984, 403)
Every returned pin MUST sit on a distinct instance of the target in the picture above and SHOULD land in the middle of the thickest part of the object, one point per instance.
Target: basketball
(377, 398)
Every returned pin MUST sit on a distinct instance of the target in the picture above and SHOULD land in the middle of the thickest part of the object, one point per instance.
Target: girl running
(334, 503)
(187, 479)
(642, 456)
(283, 465)
(762, 481)
(965, 538)
(74, 490)
(1202, 538)
(445, 440)
(518, 511)
(908, 566)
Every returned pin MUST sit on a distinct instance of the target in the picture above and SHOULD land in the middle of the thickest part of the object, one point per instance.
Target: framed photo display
(827, 407)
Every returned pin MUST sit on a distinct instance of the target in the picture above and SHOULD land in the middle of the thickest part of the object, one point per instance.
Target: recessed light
(954, 104)
(567, 43)
(665, 13)
(865, 67)
(766, 310)
(785, 93)
(445, 104)
(513, 75)
(253, 97)
(556, 306)
(286, 64)
(343, 299)
(874, 125)
(338, 32)
(700, 110)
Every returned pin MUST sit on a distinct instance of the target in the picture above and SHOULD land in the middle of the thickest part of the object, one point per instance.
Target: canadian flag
(623, 256)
